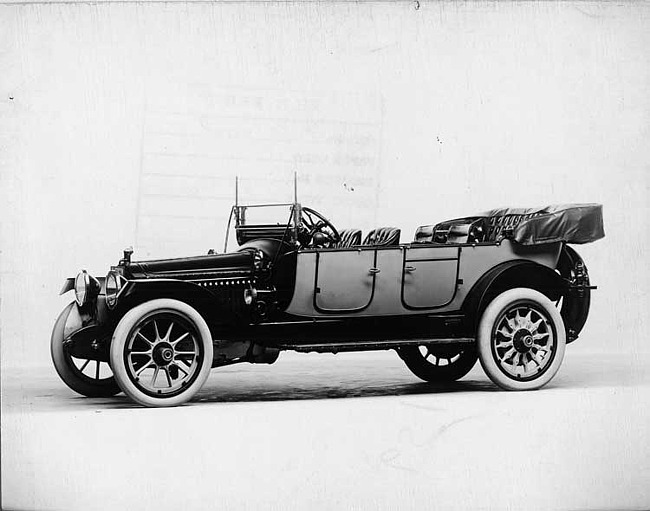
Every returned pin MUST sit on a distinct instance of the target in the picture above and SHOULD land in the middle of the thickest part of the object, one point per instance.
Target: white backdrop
(124, 124)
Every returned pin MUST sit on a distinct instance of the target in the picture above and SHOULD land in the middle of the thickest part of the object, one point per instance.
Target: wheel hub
(522, 340)
(163, 354)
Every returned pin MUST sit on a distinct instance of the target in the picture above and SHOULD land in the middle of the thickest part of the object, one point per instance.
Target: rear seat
(462, 230)
(498, 225)
(383, 236)
(349, 238)
(471, 229)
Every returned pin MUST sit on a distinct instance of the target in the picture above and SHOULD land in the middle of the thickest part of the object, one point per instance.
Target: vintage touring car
(503, 287)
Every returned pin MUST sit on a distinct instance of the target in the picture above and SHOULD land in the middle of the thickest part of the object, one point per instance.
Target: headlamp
(113, 288)
(86, 288)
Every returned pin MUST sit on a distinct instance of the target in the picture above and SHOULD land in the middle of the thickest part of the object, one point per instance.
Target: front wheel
(90, 378)
(521, 340)
(161, 353)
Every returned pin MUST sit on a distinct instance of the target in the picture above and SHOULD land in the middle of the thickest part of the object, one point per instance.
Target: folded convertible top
(571, 223)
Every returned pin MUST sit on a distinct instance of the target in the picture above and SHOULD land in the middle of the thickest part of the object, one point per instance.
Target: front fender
(82, 336)
(219, 305)
(68, 285)
(77, 318)
(73, 322)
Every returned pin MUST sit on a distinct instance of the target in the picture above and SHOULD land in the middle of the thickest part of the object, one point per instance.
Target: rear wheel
(521, 340)
(90, 378)
(440, 364)
(161, 353)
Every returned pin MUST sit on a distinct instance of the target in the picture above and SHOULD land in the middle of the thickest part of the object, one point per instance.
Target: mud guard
(509, 275)
(227, 302)
(577, 298)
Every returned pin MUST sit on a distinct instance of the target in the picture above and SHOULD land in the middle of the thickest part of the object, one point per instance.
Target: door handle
(409, 269)
(374, 271)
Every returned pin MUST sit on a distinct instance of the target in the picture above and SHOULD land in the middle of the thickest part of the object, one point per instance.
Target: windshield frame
(239, 213)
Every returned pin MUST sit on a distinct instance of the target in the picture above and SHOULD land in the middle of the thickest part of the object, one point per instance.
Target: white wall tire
(161, 353)
(521, 340)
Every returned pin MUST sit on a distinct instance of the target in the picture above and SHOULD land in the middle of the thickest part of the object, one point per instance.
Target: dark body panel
(218, 304)
(218, 265)
(215, 284)
(212, 284)
(350, 331)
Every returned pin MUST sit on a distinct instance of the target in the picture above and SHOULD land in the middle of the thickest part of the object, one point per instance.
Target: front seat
(349, 238)
(383, 236)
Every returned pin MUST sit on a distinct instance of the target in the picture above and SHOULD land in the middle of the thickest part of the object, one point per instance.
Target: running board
(369, 345)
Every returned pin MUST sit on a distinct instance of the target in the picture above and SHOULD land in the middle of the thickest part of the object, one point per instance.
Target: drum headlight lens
(113, 286)
(86, 288)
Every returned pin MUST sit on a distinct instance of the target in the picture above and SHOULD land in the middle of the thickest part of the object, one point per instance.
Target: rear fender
(510, 275)
(577, 299)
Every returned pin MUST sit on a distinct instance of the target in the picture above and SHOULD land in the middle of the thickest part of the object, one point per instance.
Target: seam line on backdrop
(215, 2)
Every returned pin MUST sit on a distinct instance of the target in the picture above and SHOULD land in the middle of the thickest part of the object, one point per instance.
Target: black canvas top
(571, 223)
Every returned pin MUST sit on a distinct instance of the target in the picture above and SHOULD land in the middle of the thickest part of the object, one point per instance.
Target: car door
(345, 279)
(429, 276)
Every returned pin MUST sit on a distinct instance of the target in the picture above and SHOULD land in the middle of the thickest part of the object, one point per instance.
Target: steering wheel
(315, 223)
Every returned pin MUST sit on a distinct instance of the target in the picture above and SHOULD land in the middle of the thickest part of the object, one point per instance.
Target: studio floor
(351, 431)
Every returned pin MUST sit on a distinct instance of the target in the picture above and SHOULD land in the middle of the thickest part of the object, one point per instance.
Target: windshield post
(296, 210)
(297, 213)
(225, 244)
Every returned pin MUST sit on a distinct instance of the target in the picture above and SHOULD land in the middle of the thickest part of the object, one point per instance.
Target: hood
(238, 264)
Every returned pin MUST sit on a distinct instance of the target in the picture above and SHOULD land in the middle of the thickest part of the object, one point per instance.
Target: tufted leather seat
(424, 234)
(461, 230)
(384, 236)
(349, 238)
(498, 225)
